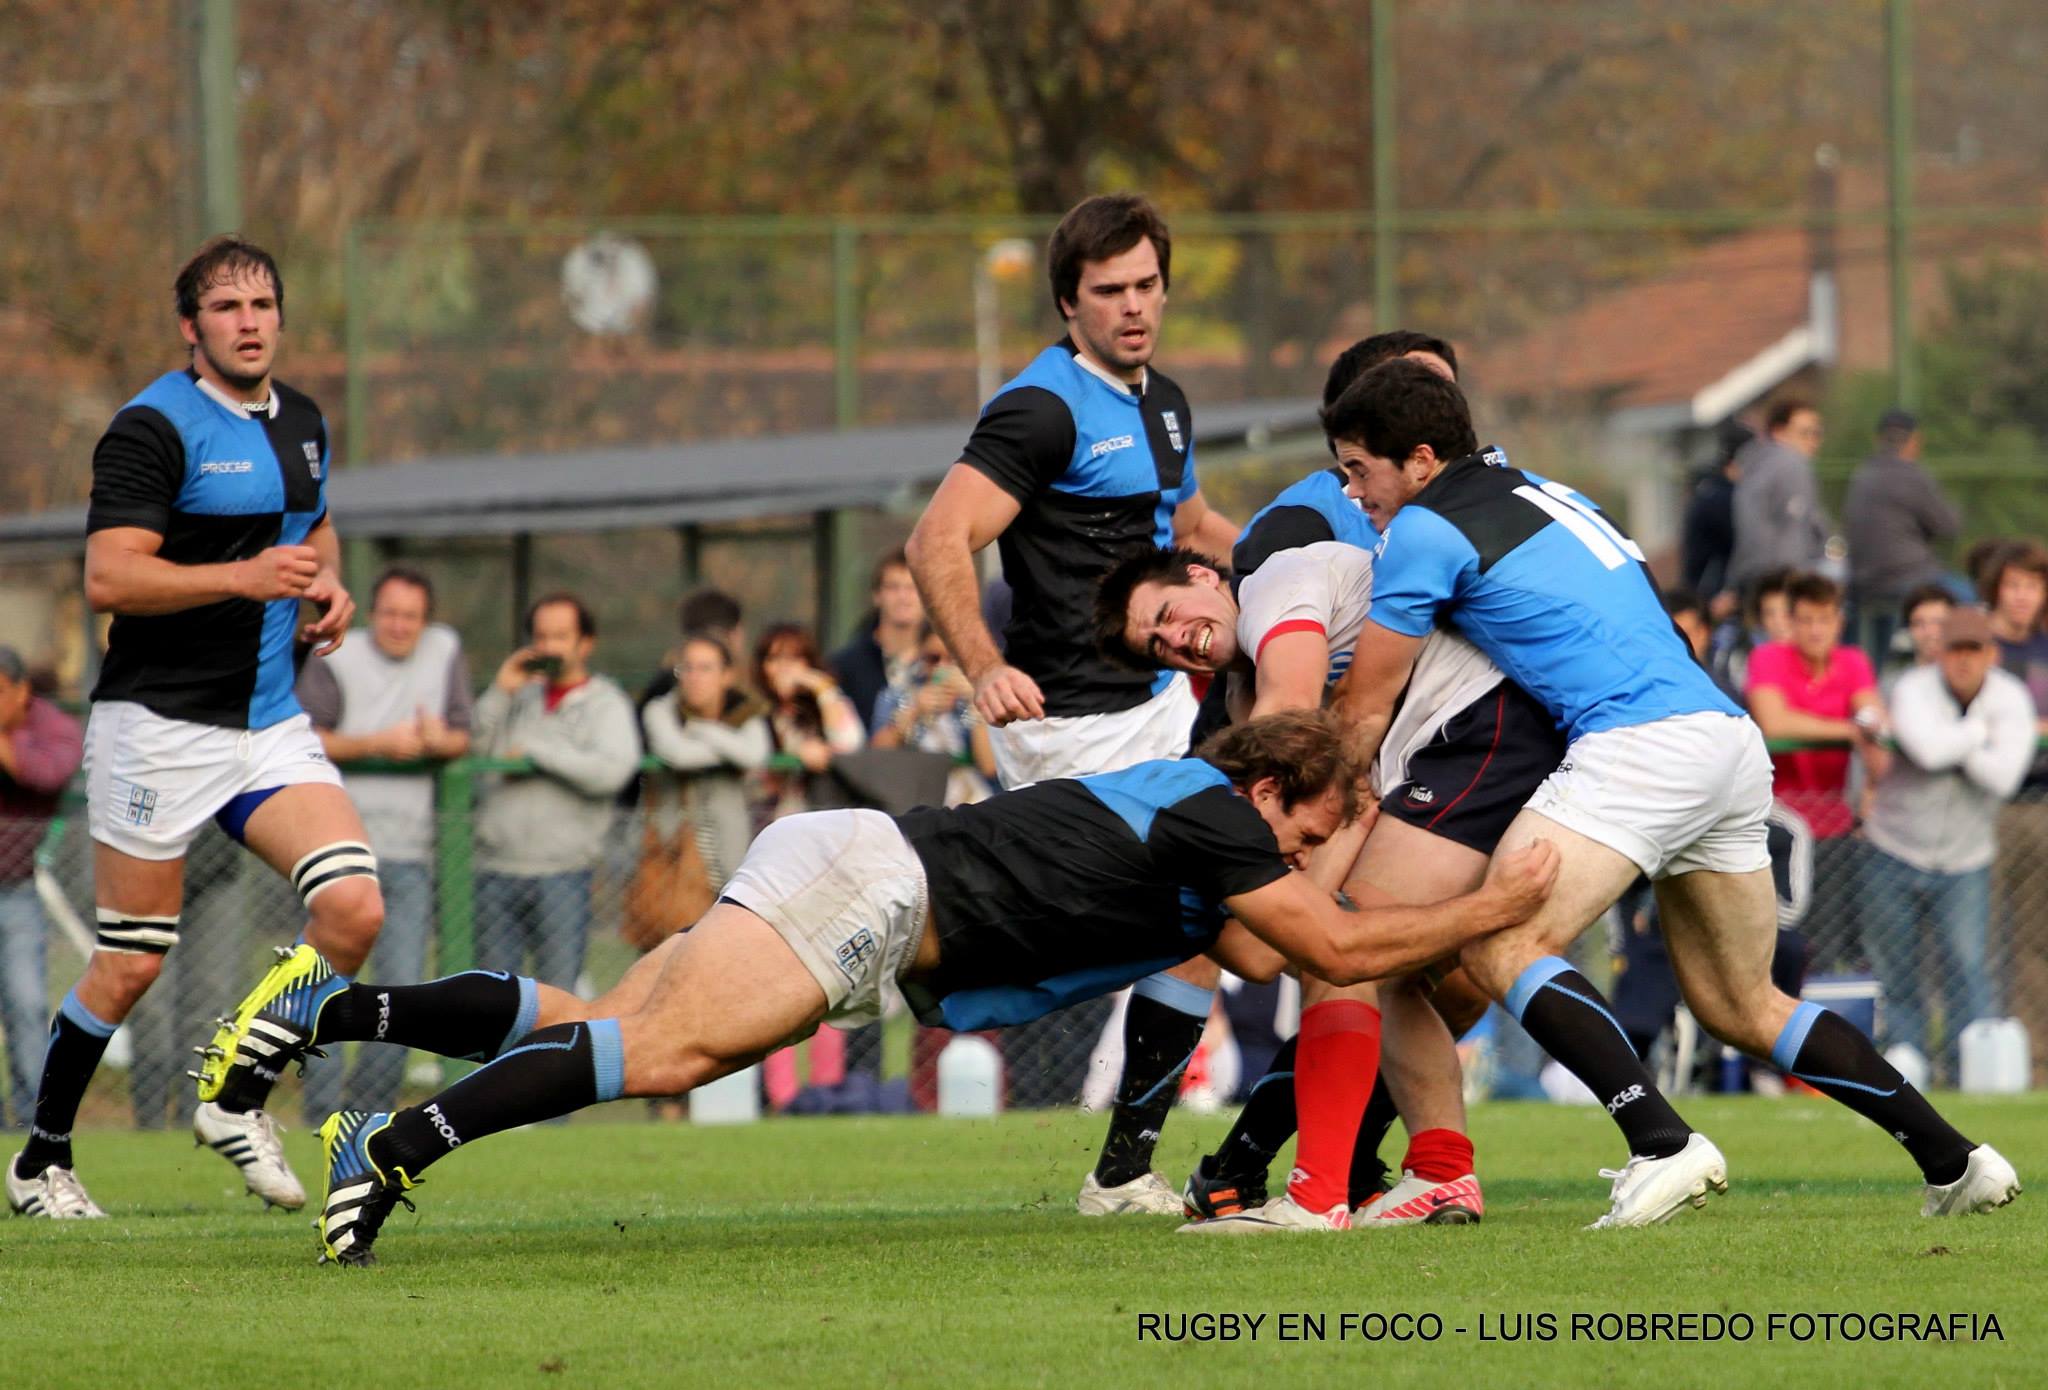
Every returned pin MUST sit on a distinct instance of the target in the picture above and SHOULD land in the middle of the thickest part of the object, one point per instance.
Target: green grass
(926, 1252)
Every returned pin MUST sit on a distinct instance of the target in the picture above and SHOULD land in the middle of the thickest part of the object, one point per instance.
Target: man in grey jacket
(539, 834)
(1778, 518)
(1895, 516)
(1965, 734)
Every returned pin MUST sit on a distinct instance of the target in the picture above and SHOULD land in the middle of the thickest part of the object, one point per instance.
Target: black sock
(1825, 1051)
(473, 1015)
(77, 1041)
(1569, 1020)
(1265, 1124)
(553, 1072)
(1162, 1025)
(1368, 1172)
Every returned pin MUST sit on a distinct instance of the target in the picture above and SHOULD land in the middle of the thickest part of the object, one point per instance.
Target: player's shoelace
(64, 1195)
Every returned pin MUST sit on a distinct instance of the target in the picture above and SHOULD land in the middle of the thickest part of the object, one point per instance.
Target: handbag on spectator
(670, 888)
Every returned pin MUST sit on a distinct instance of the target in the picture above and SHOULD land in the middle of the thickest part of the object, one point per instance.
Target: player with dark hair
(1664, 776)
(1468, 750)
(208, 528)
(982, 916)
(1086, 453)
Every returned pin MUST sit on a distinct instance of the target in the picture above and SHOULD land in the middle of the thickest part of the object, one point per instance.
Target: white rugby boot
(1282, 1214)
(1988, 1182)
(1148, 1194)
(250, 1142)
(1650, 1190)
(55, 1194)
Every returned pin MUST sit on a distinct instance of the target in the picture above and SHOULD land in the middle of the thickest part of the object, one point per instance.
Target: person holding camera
(933, 712)
(539, 835)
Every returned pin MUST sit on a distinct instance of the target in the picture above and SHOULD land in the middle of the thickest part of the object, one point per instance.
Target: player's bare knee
(118, 978)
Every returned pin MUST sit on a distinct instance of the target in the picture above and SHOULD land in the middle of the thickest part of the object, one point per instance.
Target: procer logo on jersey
(1110, 446)
(1172, 422)
(1493, 456)
(228, 466)
(855, 952)
(312, 456)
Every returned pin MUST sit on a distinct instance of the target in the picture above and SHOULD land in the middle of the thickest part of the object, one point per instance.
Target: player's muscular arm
(967, 513)
(1201, 527)
(1364, 700)
(125, 575)
(1303, 923)
(1293, 671)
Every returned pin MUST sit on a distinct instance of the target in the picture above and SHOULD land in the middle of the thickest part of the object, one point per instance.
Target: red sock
(1337, 1055)
(1439, 1155)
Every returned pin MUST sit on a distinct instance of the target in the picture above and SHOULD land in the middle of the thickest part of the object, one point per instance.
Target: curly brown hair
(1301, 749)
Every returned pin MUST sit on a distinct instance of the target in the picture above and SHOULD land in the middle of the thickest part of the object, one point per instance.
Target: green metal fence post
(846, 324)
(1386, 247)
(1898, 36)
(455, 877)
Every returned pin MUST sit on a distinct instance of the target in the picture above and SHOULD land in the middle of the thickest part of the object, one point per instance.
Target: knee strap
(129, 934)
(329, 865)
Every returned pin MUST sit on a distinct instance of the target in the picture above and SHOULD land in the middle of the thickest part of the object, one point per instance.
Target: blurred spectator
(1778, 517)
(882, 654)
(710, 613)
(1708, 538)
(1922, 613)
(401, 696)
(1894, 517)
(2014, 582)
(1690, 618)
(1813, 687)
(539, 834)
(1765, 616)
(40, 749)
(811, 716)
(932, 710)
(708, 735)
(1965, 734)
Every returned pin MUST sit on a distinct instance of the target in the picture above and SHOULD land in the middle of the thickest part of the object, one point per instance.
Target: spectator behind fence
(539, 834)
(1923, 613)
(1708, 537)
(709, 613)
(708, 735)
(932, 710)
(811, 716)
(401, 696)
(1813, 687)
(1965, 734)
(2014, 580)
(883, 652)
(1778, 516)
(40, 748)
(1894, 517)
(1765, 616)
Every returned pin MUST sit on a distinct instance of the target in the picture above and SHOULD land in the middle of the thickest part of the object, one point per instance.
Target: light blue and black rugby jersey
(1306, 512)
(1544, 584)
(1097, 470)
(1067, 889)
(217, 485)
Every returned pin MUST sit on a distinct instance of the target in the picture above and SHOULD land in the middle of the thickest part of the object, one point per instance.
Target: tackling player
(1664, 776)
(208, 528)
(984, 916)
(1467, 751)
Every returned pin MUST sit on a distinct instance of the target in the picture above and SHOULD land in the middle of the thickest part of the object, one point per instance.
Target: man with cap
(1965, 734)
(40, 749)
(1895, 515)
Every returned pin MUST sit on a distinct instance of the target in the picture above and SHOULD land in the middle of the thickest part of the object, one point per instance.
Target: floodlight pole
(1386, 250)
(1898, 36)
(217, 167)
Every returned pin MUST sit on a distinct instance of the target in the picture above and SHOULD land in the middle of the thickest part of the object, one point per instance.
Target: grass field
(929, 1252)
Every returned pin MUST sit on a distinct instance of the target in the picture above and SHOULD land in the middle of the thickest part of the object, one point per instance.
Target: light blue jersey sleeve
(1421, 563)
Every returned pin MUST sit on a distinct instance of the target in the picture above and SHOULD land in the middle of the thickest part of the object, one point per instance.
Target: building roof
(1680, 339)
(659, 485)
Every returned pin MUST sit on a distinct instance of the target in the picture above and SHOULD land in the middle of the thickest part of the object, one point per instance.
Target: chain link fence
(1915, 957)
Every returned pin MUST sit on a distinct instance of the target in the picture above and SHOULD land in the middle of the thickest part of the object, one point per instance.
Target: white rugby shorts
(152, 783)
(1688, 792)
(848, 893)
(1081, 745)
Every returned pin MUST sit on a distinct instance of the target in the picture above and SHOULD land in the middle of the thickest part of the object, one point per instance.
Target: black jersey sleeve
(1218, 844)
(1024, 441)
(137, 468)
(1282, 528)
